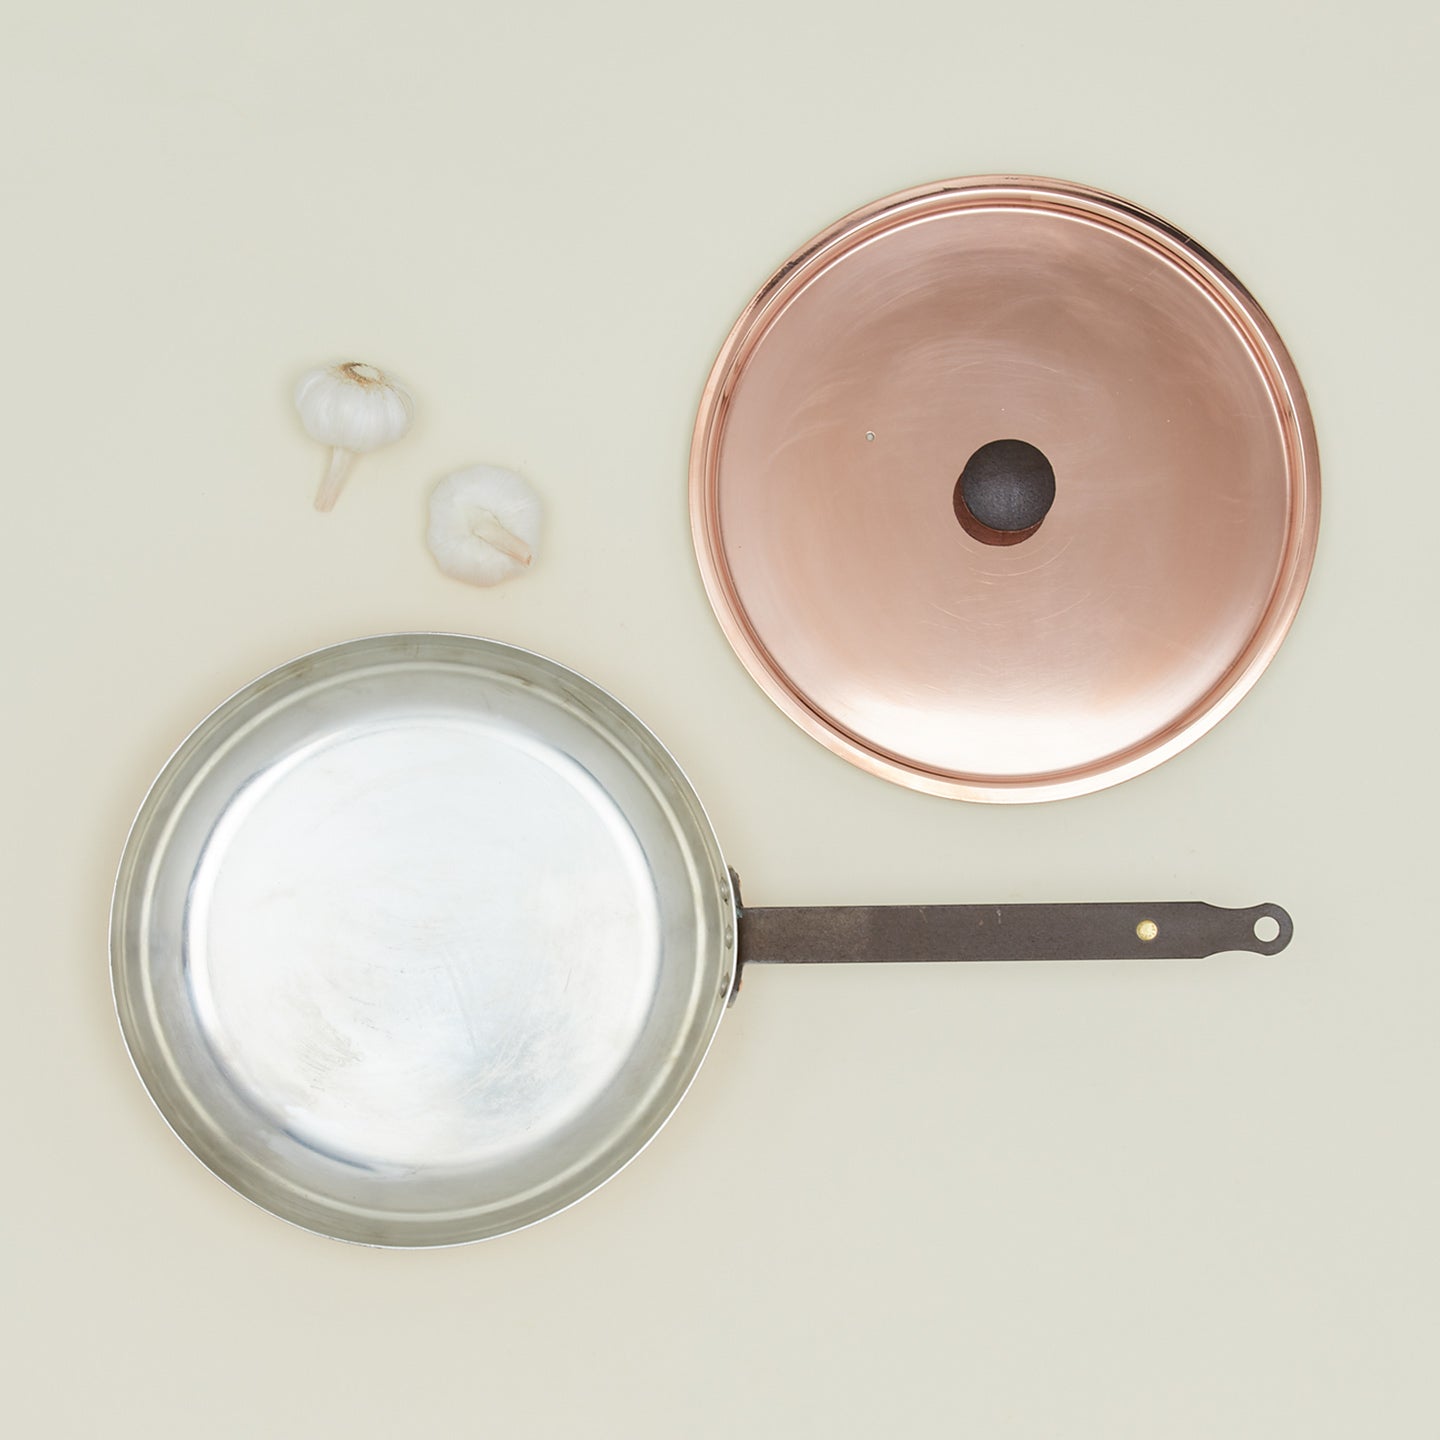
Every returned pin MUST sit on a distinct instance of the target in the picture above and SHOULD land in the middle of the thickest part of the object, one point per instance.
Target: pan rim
(151, 804)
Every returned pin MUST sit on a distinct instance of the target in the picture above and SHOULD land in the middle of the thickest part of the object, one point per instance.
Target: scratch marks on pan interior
(947, 611)
(1039, 566)
(1075, 604)
(447, 960)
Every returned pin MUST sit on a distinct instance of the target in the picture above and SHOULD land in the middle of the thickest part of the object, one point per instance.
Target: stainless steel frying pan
(418, 939)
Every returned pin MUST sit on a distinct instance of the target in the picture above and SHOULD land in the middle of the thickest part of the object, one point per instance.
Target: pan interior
(420, 939)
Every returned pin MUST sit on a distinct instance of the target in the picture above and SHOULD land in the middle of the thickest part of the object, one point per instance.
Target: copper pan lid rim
(920, 330)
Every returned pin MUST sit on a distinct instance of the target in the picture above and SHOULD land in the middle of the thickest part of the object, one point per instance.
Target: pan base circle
(384, 949)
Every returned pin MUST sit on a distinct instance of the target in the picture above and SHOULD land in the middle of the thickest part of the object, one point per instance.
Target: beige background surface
(1191, 1201)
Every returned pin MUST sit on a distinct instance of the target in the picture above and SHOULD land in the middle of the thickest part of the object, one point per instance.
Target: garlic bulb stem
(484, 526)
(337, 472)
(351, 409)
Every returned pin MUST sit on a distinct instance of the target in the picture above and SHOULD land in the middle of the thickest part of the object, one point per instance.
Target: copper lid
(1004, 621)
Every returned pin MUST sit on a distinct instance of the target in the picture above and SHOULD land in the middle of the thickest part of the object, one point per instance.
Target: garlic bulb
(484, 524)
(351, 408)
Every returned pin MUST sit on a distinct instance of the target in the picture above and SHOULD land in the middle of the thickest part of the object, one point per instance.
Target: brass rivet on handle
(1147, 930)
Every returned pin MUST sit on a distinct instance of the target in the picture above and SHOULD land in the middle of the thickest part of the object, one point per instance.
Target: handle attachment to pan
(851, 934)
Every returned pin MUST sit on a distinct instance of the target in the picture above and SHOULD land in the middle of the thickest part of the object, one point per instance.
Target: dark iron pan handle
(852, 934)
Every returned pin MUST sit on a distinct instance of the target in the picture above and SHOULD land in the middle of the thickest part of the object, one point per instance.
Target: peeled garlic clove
(351, 408)
(484, 525)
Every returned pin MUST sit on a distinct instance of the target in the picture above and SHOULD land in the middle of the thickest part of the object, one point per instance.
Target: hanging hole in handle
(1267, 929)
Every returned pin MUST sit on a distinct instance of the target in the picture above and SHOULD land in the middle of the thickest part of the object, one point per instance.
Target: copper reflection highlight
(1132, 618)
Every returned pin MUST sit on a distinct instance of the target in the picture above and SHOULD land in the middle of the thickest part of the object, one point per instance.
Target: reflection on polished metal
(1007, 659)
(419, 939)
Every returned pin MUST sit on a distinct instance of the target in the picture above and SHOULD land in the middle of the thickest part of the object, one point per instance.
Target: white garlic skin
(484, 525)
(352, 408)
